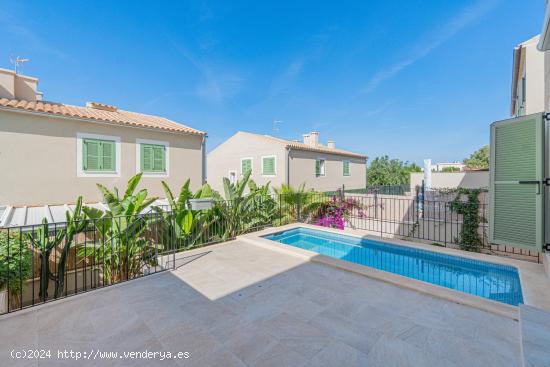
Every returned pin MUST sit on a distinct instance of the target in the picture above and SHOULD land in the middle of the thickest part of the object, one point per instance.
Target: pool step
(535, 336)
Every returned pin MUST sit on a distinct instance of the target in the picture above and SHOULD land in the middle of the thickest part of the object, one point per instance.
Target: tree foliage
(479, 158)
(450, 169)
(386, 171)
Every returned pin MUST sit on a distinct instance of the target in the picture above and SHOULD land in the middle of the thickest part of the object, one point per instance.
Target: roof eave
(515, 77)
(97, 121)
(350, 154)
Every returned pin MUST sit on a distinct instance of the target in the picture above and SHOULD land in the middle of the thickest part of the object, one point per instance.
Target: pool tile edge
(498, 308)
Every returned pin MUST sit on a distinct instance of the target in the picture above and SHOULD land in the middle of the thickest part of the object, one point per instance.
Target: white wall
(451, 180)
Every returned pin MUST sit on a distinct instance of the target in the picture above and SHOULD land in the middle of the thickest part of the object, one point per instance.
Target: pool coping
(534, 284)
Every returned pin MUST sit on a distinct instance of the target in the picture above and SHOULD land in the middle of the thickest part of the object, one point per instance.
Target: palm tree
(297, 204)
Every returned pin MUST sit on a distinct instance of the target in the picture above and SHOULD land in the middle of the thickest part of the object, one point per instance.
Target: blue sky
(411, 79)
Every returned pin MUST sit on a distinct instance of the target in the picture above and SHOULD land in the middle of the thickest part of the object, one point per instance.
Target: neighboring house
(50, 153)
(279, 161)
(530, 79)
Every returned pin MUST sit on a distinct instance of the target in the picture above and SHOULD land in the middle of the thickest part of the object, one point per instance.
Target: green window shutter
(246, 166)
(159, 158)
(346, 168)
(146, 158)
(153, 158)
(98, 155)
(91, 155)
(107, 155)
(268, 166)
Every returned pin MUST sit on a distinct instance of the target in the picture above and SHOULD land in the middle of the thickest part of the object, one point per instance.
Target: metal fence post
(375, 203)
(298, 213)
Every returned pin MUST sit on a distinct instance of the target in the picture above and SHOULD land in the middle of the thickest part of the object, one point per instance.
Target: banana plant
(264, 208)
(45, 244)
(122, 249)
(177, 223)
(235, 207)
(76, 223)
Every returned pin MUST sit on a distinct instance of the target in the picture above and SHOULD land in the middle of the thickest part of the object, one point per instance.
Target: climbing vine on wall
(469, 238)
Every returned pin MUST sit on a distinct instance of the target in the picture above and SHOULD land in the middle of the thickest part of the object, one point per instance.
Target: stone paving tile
(338, 354)
(249, 343)
(243, 305)
(392, 352)
(346, 330)
(279, 356)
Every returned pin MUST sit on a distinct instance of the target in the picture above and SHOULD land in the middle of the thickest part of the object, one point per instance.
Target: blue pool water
(493, 281)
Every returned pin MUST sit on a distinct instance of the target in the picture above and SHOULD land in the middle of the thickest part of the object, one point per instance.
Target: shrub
(15, 261)
(335, 212)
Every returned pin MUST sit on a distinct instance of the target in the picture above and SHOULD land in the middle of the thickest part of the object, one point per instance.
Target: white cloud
(214, 86)
(287, 77)
(13, 25)
(467, 16)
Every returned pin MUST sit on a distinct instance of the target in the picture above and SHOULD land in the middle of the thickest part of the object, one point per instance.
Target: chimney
(17, 86)
(7, 84)
(313, 139)
(331, 144)
(306, 139)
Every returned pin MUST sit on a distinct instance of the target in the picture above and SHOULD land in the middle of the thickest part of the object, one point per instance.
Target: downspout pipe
(287, 156)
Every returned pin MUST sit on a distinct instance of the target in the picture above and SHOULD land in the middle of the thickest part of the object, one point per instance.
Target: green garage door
(517, 169)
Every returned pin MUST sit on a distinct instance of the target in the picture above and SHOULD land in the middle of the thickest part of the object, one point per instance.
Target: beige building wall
(302, 169)
(38, 160)
(532, 65)
(534, 74)
(226, 158)
(451, 180)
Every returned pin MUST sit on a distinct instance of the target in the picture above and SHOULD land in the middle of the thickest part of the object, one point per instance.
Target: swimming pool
(493, 281)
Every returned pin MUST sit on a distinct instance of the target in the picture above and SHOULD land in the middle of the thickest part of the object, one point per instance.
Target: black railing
(41, 263)
(382, 190)
(376, 189)
(451, 223)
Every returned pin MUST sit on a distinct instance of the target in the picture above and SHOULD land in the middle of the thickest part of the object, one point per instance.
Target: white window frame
(251, 165)
(324, 173)
(349, 166)
(262, 163)
(229, 176)
(166, 156)
(80, 172)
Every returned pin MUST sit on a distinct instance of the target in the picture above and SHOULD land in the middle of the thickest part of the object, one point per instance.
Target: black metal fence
(448, 222)
(42, 263)
(382, 190)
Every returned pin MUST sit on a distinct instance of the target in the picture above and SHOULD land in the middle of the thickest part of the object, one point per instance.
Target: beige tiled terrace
(238, 304)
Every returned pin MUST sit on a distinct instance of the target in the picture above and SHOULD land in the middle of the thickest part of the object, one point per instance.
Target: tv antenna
(18, 61)
(276, 124)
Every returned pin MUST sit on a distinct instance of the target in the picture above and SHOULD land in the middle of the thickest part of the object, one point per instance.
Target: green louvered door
(517, 169)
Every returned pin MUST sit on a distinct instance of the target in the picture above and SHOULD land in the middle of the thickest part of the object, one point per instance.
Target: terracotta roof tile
(302, 146)
(120, 117)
